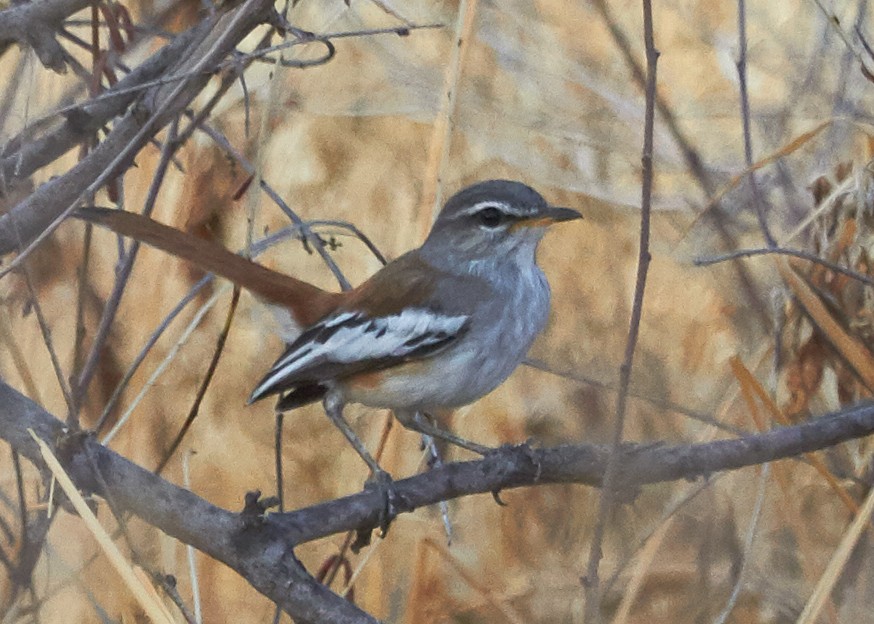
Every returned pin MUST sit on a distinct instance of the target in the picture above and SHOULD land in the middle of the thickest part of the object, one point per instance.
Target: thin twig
(782, 251)
(664, 404)
(354, 231)
(124, 269)
(277, 199)
(189, 551)
(752, 531)
(201, 391)
(741, 65)
(171, 354)
(228, 77)
(592, 583)
(127, 89)
(144, 351)
(690, 154)
(47, 338)
(125, 140)
(82, 273)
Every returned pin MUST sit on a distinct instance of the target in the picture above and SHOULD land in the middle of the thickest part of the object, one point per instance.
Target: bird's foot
(522, 456)
(392, 501)
(421, 422)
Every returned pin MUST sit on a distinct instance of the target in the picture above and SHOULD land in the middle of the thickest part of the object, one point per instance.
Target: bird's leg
(436, 461)
(381, 479)
(421, 422)
(334, 410)
(277, 459)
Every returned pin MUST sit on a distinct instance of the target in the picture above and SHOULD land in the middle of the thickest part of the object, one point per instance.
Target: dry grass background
(544, 96)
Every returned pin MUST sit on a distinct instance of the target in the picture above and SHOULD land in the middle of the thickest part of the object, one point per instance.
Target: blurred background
(548, 93)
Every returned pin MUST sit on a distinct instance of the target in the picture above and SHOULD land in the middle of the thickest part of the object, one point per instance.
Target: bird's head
(496, 220)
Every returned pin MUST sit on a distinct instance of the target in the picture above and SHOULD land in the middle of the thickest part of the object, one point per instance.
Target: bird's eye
(490, 217)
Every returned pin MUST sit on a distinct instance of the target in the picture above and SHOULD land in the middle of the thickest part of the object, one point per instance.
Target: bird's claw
(393, 502)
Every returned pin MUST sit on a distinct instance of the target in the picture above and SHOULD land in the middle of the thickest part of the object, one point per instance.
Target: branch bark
(261, 548)
(252, 547)
(35, 25)
(215, 38)
(30, 150)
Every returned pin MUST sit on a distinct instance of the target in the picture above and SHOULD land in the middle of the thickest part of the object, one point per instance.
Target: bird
(435, 329)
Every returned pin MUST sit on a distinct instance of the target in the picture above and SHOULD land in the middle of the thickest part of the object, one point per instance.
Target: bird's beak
(555, 214)
(550, 215)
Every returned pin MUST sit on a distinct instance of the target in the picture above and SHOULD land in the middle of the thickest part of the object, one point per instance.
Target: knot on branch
(255, 509)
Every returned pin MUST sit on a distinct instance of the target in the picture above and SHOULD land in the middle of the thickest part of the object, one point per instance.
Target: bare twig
(354, 231)
(592, 582)
(144, 351)
(752, 531)
(189, 551)
(201, 391)
(82, 290)
(165, 362)
(25, 153)
(664, 404)
(782, 251)
(299, 223)
(741, 65)
(46, 332)
(690, 154)
(123, 271)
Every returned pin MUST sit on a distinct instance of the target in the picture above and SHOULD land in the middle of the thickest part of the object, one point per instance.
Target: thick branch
(254, 549)
(35, 24)
(261, 551)
(42, 209)
(26, 153)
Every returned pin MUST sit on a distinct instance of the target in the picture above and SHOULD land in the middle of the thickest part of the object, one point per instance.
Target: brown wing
(410, 281)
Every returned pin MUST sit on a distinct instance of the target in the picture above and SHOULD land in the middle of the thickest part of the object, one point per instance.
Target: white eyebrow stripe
(356, 337)
(502, 206)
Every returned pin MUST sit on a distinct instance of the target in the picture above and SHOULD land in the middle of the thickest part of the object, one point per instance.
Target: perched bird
(435, 329)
